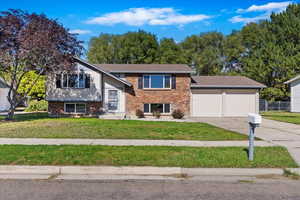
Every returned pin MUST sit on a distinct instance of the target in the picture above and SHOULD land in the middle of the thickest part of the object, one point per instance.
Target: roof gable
(292, 80)
(101, 70)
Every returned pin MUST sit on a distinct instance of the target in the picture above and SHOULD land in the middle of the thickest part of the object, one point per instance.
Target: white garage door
(239, 104)
(211, 103)
(207, 103)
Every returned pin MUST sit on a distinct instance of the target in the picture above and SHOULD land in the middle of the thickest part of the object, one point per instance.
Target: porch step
(112, 116)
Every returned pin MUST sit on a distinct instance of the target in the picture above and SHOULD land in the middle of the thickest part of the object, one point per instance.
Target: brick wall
(179, 98)
(57, 108)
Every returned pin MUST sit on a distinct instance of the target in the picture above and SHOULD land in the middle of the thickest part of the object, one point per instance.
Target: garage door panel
(232, 103)
(239, 104)
(207, 105)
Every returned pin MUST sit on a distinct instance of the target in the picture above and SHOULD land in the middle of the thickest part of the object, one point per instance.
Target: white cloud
(147, 16)
(269, 7)
(80, 31)
(241, 19)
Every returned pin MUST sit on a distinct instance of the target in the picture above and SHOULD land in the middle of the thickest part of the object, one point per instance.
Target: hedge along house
(122, 89)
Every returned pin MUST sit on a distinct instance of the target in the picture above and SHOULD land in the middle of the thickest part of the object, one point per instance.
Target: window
(152, 107)
(70, 108)
(157, 81)
(72, 81)
(75, 108)
(113, 100)
(79, 80)
(80, 108)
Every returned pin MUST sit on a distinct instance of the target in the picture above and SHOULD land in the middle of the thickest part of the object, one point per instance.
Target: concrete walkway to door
(280, 133)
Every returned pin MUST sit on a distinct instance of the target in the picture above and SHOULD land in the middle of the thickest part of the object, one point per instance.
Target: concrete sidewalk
(125, 173)
(125, 142)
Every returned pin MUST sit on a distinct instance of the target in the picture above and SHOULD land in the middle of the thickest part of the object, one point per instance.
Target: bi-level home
(104, 89)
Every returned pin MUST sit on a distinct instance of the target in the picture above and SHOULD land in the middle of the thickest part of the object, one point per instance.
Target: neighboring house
(4, 88)
(122, 89)
(295, 93)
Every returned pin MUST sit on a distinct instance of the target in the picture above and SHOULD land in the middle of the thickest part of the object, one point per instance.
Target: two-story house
(99, 89)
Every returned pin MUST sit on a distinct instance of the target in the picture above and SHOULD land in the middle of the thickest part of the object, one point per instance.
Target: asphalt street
(150, 190)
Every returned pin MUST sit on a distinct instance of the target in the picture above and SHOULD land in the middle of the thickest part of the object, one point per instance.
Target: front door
(113, 101)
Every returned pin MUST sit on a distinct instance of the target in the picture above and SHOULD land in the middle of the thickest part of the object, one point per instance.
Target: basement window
(75, 107)
(160, 107)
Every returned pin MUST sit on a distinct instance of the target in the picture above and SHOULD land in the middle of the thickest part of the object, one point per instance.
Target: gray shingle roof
(225, 82)
(145, 68)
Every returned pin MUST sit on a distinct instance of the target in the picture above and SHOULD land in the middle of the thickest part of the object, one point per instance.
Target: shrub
(35, 105)
(139, 113)
(177, 114)
(156, 114)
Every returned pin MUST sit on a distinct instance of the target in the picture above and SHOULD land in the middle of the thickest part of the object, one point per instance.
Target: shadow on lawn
(246, 150)
(26, 117)
(283, 116)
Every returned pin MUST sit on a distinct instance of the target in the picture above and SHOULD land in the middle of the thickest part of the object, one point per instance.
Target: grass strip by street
(288, 117)
(189, 157)
(41, 126)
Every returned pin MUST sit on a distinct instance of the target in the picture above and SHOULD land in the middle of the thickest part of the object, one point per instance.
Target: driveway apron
(280, 133)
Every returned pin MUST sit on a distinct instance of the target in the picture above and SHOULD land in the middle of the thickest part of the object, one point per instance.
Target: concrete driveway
(284, 134)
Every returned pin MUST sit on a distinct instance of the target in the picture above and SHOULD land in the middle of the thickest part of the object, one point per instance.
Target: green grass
(269, 157)
(289, 117)
(292, 175)
(41, 126)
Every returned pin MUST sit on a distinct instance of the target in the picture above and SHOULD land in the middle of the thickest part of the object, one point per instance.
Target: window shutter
(58, 80)
(173, 82)
(87, 80)
(140, 82)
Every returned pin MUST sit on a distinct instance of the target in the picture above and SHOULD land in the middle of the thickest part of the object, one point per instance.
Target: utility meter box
(254, 118)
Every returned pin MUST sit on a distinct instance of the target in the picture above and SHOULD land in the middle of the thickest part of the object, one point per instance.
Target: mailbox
(254, 121)
(254, 118)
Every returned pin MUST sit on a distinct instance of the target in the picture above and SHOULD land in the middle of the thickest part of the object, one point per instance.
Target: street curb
(140, 171)
(231, 171)
(25, 169)
(107, 170)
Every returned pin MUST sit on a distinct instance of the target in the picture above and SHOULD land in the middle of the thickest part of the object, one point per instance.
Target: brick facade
(179, 98)
(57, 108)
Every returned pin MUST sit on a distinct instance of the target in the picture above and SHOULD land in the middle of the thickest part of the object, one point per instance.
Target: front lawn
(289, 117)
(41, 126)
(231, 157)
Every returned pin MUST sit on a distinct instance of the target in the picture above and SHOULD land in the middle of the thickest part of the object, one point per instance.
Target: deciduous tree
(32, 42)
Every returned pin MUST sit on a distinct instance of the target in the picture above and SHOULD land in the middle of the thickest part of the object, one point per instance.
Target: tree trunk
(11, 112)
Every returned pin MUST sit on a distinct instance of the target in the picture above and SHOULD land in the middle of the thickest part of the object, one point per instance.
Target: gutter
(154, 72)
(227, 86)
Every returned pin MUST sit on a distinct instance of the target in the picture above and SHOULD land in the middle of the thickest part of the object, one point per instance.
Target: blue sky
(165, 18)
